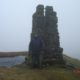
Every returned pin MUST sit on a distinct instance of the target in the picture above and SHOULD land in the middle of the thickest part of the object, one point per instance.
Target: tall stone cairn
(45, 25)
(38, 21)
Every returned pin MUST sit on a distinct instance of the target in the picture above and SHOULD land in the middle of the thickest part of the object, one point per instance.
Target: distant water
(11, 61)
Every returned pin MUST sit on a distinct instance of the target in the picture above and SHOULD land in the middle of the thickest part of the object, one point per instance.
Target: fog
(16, 24)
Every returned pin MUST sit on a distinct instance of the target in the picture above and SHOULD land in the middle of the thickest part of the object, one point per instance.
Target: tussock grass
(25, 73)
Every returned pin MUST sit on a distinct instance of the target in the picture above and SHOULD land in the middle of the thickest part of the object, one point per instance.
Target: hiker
(35, 48)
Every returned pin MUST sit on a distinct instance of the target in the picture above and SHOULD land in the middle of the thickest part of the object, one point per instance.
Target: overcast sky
(16, 24)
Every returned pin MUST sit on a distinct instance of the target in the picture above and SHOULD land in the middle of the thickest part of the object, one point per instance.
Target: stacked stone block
(45, 24)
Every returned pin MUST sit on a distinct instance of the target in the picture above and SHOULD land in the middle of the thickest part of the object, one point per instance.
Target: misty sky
(16, 24)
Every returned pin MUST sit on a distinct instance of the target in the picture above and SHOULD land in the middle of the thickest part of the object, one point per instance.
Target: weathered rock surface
(45, 25)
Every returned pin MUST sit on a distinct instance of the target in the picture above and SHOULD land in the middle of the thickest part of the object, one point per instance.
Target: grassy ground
(25, 73)
(70, 60)
(13, 54)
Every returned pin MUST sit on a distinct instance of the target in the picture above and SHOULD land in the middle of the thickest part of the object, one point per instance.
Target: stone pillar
(45, 25)
(38, 21)
(52, 35)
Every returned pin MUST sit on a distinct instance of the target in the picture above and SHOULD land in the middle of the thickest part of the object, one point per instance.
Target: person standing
(35, 48)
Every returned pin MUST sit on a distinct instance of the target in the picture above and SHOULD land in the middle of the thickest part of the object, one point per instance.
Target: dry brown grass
(12, 54)
(24, 73)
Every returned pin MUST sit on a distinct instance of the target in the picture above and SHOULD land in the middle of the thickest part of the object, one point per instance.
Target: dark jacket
(36, 45)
